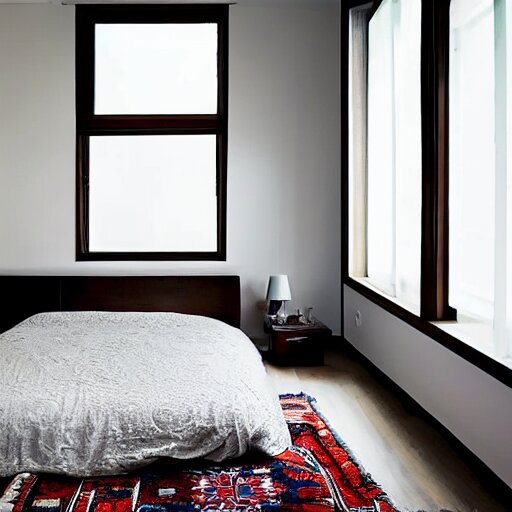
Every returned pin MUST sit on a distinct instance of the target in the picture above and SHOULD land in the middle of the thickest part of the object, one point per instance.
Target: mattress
(96, 393)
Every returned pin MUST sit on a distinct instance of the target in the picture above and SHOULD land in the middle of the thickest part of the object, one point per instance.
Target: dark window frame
(89, 124)
(435, 157)
(435, 50)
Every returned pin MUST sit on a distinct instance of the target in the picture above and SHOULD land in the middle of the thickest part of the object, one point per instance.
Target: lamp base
(274, 306)
(281, 314)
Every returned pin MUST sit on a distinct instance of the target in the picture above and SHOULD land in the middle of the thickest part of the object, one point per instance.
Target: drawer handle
(298, 338)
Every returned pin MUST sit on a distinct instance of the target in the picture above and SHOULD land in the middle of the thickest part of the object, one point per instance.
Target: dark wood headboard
(213, 296)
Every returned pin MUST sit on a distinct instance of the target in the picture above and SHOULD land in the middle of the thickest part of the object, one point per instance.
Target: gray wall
(474, 406)
(284, 161)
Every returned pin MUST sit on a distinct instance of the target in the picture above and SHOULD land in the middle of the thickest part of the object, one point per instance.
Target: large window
(151, 108)
(385, 168)
(429, 166)
(480, 167)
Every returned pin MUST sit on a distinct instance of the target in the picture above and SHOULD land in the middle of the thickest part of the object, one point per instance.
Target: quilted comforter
(93, 393)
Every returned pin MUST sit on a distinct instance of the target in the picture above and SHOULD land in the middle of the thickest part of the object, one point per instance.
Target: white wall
(284, 158)
(474, 406)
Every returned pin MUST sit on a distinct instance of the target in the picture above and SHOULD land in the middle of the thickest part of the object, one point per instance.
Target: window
(480, 167)
(428, 171)
(151, 103)
(385, 168)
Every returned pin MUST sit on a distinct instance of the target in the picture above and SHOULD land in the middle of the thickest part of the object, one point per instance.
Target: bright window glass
(154, 193)
(394, 150)
(481, 166)
(155, 69)
(472, 158)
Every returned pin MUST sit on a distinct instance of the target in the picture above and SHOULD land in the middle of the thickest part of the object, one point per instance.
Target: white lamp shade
(278, 288)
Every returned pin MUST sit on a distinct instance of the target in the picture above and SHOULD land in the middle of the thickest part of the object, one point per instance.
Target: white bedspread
(91, 393)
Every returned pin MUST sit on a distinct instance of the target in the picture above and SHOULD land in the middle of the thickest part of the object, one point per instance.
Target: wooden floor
(409, 458)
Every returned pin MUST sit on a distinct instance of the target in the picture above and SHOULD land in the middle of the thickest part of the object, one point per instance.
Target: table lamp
(278, 292)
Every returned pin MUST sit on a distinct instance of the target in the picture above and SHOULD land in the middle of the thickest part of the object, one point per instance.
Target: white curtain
(394, 149)
(358, 70)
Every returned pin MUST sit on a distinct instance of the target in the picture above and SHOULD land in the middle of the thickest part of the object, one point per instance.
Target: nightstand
(298, 345)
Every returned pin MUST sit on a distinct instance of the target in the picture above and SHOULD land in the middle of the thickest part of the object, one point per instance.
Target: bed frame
(213, 296)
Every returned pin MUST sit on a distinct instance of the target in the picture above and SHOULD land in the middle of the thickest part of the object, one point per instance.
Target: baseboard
(335, 341)
(483, 472)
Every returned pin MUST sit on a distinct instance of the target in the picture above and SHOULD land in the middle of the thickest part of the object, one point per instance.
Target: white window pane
(394, 149)
(472, 158)
(381, 186)
(156, 69)
(153, 194)
(408, 149)
(505, 344)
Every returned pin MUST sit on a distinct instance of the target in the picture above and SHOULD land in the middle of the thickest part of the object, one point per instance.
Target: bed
(108, 374)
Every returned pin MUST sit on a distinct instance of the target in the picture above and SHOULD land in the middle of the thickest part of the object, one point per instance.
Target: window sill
(452, 335)
(475, 334)
(365, 281)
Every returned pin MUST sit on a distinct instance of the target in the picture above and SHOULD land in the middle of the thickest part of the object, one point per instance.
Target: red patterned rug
(317, 474)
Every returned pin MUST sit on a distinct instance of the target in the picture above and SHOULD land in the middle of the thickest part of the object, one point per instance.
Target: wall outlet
(358, 318)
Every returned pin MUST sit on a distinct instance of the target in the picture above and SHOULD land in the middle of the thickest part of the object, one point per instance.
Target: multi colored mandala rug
(317, 474)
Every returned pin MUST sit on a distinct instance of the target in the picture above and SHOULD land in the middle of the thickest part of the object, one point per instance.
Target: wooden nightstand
(298, 345)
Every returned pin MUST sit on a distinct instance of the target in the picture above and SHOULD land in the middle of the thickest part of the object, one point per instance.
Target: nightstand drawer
(298, 348)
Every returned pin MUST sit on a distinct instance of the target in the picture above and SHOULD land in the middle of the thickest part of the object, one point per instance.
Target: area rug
(317, 474)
